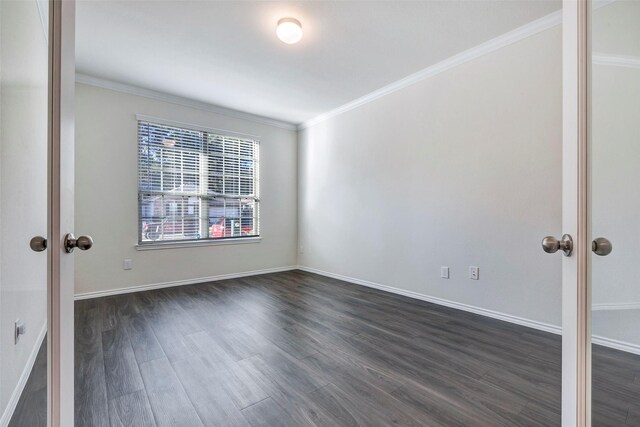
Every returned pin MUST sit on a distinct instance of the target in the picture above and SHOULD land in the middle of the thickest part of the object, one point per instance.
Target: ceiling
(226, 52)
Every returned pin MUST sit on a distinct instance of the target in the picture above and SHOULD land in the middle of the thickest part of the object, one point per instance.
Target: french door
(601, 212)
(60, 213)
(576, 340)
(37, 79)
(613, 107)
(23, 198)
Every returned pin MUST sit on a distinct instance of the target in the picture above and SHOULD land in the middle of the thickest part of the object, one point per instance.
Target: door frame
(60, 269)
(576, 295)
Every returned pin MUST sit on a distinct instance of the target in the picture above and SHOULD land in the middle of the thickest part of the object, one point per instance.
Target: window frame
(206, 241)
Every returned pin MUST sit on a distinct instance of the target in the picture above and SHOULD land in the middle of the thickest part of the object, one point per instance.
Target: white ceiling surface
(226, 52)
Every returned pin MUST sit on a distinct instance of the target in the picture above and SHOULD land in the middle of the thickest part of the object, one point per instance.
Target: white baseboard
(440, 301)
(606, 342)
(130, 289)
(17, 391)
(615, 344)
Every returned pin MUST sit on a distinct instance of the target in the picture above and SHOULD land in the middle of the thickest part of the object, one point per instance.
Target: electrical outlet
(444, 272)
(474, 273)
(127, 264)
(19, 329)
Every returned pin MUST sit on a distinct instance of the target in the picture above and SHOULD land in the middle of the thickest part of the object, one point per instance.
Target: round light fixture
(289, 30)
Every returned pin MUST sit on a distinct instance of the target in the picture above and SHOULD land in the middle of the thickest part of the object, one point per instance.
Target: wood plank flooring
(298, 349)
(31, 410)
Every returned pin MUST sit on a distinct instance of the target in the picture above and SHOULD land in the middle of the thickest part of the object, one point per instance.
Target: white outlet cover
(127, 264)
(444, 272)
(474, 273)
(19, 329)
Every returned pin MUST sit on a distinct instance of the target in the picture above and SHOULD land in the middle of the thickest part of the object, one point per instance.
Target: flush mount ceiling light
(289, 30)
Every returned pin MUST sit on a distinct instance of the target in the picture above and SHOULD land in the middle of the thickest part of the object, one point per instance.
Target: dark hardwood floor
(31, 410)
(297, 349)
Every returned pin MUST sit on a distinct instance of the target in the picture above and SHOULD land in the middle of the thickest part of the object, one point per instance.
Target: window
(195, 185)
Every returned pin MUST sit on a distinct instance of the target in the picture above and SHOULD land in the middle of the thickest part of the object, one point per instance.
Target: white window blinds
(195, 184)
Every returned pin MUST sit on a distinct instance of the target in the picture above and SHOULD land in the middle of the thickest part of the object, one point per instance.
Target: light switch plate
(444, 272)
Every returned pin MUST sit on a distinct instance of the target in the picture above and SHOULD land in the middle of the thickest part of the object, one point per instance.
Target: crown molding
(43, 13)
(616, 60)
(607, 306)
(506, 39)
(482, 49)
(179, 100)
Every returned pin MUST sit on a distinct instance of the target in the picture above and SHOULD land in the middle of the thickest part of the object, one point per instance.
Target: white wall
(461, 169)
(106, 196)
(23, 192)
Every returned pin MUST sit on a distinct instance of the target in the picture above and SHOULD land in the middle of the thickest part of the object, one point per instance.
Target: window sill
(197, 243)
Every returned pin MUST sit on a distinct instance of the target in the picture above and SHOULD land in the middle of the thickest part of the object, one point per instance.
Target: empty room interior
(326, 213)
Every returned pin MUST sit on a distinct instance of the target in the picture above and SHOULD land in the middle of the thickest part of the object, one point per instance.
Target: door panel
(615, 212)
(575, 295)
(23, 201)
(61, 215)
